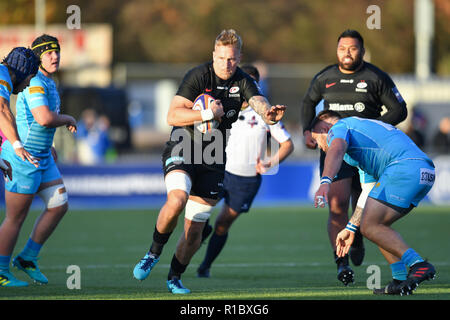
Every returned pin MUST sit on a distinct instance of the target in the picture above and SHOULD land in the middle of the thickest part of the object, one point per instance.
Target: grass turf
(271, 254)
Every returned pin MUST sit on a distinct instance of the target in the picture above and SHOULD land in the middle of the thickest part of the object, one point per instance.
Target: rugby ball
(203, 102)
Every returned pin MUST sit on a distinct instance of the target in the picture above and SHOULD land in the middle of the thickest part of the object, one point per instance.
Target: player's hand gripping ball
(203, 102)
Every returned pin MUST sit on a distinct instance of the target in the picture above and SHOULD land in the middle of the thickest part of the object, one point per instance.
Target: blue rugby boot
(176, 287)
(144, 266)
(8, 280)
(30, 267)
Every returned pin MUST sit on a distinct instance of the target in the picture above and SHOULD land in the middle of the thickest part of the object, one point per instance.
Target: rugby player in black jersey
(352, 87)
(193, 163)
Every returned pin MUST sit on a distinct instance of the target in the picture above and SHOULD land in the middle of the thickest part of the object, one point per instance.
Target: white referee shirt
(247, 141)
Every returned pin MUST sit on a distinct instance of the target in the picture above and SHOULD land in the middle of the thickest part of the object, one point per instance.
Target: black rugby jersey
(360, 94)
(232, 93)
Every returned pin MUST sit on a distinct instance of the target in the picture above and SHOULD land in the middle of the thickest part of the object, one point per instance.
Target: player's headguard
(23, 62)
(43, 44)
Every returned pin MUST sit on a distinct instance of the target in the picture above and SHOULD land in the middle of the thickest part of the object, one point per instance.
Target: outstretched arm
(270, 114)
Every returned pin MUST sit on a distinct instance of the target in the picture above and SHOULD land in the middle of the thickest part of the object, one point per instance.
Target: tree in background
(281, 31)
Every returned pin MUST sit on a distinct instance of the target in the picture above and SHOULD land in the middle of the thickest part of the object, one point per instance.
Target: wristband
(17, 144)
(207, 115)
(325, 180)
(351, 227)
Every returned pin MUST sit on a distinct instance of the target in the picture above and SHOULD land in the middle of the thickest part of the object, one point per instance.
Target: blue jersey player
(37, 118)
(16, 70)
(404, 175)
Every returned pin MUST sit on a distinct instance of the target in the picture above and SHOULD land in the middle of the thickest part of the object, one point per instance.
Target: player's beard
(354, 65)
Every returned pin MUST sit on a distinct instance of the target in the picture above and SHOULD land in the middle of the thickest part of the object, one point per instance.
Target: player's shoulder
(37, 85)
(37, 80)
(328, 71)
(239, 74)
(376, 72)
(200, 70)
(5, 79)
(346, 122)
(4, 73)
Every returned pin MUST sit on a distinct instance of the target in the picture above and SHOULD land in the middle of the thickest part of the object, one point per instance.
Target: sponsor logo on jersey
(36, 89)
(397, 94)
(6, 84)
(359, 106)
(175, 159)
(234, 95)
(341, 107)
(230, 113)
(327, 85)
(346, 81)
(427, 176)
(362, 84)
(234, 89)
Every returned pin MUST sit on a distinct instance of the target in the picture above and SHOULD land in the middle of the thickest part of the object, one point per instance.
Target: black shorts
(207, 181)
(240, 191)
(346, 171)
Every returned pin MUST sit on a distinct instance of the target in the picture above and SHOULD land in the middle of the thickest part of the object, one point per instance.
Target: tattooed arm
(270, 114)
(356, 217)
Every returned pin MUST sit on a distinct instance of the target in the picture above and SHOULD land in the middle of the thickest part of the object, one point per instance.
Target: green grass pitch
(271, 253)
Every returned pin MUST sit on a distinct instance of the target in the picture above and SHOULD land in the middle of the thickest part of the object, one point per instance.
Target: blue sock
(31, 249)
(4, 263)
(399, 271)
(410, 257)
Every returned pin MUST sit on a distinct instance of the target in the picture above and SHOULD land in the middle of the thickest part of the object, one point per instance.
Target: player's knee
(221, 230)
(55, 197)
(176, 200)
(338, 206)
(15, 219)
(197, 212)
(366, 229)
(222, 225)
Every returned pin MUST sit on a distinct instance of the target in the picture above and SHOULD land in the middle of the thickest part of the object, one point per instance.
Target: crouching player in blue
(404, 175)
(37, 119)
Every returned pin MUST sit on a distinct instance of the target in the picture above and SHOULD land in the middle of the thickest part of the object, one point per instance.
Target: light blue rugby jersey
(373, 145)
(5, 82)
(37, 139)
